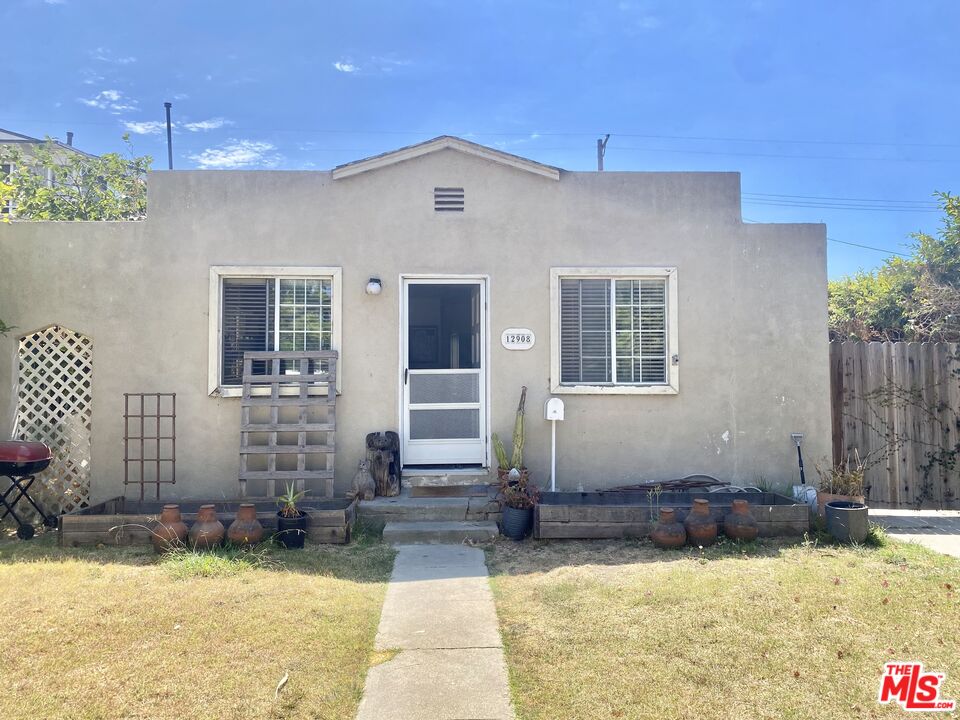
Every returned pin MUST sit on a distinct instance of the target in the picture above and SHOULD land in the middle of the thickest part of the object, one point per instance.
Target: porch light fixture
(374, 286)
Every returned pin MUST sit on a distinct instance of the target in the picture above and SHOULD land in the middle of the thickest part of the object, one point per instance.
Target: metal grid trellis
(149, 440)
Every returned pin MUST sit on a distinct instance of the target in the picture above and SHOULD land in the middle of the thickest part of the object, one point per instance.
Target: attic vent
(448, 199)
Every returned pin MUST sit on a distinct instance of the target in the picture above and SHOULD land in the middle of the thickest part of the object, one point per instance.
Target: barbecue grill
(20, 462)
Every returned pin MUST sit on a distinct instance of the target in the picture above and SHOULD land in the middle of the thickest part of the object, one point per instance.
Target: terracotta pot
(170, 531)
(823, 498)
(739, 523)
(668, 532)
(246, 529)
(700, 526)
(207, 532)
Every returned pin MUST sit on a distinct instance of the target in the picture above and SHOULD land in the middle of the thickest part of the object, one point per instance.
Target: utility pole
(170, 138)
(601, 151)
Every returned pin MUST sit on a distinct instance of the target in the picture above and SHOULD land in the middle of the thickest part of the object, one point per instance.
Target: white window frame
(217, 275)
(672, 386)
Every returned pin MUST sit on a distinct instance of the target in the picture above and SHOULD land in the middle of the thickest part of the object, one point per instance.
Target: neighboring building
(26, 144)
(681, 339)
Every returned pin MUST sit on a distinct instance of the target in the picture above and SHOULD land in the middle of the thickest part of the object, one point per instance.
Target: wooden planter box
(628, 514)
(126, 522)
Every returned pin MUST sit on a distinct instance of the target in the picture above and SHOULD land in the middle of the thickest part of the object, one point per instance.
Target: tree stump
(383, 458)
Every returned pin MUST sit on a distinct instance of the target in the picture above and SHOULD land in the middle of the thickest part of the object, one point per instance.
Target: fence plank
(895, 404)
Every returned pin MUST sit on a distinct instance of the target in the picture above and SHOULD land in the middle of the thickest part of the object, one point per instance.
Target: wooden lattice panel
(279, 385)
(54, 407)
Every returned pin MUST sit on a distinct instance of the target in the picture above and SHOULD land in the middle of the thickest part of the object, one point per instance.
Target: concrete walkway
(439, 614)
(936, 529)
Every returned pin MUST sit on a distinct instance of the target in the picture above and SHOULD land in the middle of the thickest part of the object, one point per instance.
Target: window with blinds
(260, 314)
(613, 331)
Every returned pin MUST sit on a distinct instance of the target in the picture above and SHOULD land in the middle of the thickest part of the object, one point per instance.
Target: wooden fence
(898, 406)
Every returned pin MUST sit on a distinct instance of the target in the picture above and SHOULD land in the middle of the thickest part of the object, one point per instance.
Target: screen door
(444, 378)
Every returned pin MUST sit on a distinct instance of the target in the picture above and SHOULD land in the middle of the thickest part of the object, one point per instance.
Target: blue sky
(840, 112)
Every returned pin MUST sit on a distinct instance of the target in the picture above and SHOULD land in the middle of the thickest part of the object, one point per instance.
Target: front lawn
(117, 633)
(767, 630)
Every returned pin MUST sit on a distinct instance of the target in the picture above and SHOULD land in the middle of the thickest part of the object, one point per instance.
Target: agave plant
(288, 501)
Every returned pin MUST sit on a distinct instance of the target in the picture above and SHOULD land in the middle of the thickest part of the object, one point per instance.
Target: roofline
(27, 140)
(440, 143)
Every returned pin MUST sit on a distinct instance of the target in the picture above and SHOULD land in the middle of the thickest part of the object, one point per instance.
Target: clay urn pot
(739, 523)
(246, 529)
(207, 532)
(668, 532)
(170, 531)
(700, 526)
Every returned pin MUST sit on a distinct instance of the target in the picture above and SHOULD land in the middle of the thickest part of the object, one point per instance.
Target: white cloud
(180, 96)
(55, 2)
(204, 125)
(641, 20)
(112, 100)
(372, 65)
(105, 55)
(150, 127)
(235, 154)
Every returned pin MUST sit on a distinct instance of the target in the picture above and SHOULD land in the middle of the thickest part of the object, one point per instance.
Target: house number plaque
(517, 338)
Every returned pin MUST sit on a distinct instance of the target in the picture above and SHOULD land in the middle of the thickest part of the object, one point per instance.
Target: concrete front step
(412, 478)
(405, 508)
(423, 532)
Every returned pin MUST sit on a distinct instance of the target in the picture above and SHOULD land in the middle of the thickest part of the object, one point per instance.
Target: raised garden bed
(628, 514)
(128, 522)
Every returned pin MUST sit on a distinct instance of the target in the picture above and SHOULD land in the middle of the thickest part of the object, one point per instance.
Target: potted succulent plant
(291, 520)
(843, 482)
(517, 495)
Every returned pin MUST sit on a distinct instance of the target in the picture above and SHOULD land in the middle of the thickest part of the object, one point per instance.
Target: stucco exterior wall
(752, 309)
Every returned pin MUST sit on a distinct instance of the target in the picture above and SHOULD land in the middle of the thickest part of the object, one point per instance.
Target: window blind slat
(245, 322)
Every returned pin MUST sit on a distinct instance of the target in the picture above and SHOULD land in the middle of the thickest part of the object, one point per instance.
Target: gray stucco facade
(751, 309)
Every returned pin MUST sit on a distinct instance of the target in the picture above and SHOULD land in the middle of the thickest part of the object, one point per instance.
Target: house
(447, 275)
(26, 146)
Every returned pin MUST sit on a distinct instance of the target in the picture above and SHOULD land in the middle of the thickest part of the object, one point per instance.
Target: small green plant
(516, 458)
(184, 563)
(288, 502)
(653, 499)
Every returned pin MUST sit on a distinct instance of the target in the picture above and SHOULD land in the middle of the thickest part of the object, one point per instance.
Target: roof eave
(431, 146)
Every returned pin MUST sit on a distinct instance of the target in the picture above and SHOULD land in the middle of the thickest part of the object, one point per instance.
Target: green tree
(57, 184)
(915, 298)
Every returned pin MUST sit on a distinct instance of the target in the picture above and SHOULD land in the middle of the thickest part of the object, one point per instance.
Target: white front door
(444, 373)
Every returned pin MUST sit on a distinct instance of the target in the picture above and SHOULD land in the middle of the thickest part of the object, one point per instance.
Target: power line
(823, 197)
(847, 242)
(634, 134)
(823, 206)
(868, 247)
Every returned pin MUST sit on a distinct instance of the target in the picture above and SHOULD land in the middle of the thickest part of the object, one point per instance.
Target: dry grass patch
(765, 630)
(113, 633)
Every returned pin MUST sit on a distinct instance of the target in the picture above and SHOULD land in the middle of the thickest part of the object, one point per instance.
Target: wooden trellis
(54, 407)
(304, 383)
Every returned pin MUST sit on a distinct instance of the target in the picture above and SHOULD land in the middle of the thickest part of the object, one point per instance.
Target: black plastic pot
(516, 524)
(847, 521)
(291, 531)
